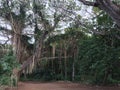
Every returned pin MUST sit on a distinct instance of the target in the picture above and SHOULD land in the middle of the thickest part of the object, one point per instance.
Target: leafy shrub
(7, 63)
(99, 62)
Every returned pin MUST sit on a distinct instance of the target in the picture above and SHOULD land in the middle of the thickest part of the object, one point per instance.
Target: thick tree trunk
(19, 46)
(32, 61)
(17, 43)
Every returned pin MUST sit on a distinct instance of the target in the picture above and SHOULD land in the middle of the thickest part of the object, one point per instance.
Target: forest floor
(60, 86)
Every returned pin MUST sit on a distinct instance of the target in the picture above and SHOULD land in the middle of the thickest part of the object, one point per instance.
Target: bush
(7, 63)
(99, 62)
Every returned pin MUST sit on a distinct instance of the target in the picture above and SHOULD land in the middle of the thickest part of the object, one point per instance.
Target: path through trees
(60, 86)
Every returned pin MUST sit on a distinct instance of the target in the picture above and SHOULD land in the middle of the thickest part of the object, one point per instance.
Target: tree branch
(95, 4)
(108, 6)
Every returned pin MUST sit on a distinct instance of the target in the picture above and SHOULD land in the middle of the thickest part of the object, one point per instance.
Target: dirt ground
(60, 86)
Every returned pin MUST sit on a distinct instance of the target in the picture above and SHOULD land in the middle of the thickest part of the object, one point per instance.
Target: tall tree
(15, 15)
(47, 17)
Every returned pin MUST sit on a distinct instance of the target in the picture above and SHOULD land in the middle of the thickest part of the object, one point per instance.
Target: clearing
(60, 86)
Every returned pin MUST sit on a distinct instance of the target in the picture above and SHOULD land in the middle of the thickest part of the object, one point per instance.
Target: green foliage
(104, 22)
(99, 62)
(4, 80)
(98, 59)
(99, 55)
(7, 63)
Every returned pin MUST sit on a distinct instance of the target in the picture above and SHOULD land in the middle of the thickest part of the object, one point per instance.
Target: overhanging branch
(89, 3)
(108, 6)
